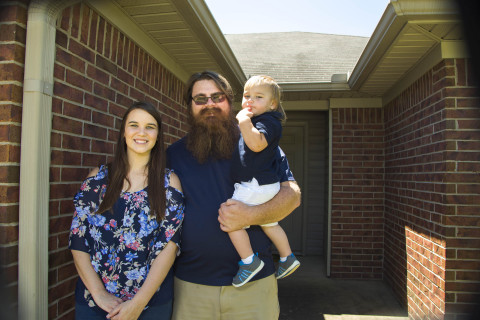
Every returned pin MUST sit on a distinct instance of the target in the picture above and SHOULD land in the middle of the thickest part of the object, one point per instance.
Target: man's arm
(234, 215)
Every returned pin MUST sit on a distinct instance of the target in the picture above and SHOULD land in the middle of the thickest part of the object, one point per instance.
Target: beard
(212, 136)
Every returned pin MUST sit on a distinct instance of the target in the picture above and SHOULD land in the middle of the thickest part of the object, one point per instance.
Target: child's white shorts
(252, 194)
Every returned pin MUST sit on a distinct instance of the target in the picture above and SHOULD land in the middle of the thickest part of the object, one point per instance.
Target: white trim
(454, 49)
(35, 158)
(313, 86)
(355, 103)
(305, 105)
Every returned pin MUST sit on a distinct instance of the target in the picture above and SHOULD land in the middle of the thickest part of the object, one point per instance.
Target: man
(208, 260)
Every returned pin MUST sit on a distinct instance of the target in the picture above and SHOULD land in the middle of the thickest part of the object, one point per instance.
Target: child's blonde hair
(262, 80)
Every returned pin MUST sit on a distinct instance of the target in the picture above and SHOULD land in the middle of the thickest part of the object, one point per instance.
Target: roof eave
(204, 25)
(397, 14)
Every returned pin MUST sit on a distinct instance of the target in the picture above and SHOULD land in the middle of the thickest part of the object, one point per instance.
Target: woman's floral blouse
(122, 245)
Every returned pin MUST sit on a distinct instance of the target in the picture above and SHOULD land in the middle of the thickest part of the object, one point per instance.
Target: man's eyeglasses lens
(216, 98)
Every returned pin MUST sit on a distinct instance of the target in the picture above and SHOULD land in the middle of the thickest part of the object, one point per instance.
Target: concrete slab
(309, 295)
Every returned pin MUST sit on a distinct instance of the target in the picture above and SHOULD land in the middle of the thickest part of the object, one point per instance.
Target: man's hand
(233, 215)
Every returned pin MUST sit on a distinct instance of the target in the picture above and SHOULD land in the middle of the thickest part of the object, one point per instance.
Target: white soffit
(407, 33)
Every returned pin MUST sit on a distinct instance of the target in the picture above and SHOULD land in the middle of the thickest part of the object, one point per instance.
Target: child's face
(259, 99)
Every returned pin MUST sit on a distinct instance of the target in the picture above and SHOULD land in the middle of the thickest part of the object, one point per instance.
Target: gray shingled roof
(296, 56)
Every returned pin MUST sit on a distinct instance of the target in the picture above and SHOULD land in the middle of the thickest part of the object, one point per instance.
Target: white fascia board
(313, 86)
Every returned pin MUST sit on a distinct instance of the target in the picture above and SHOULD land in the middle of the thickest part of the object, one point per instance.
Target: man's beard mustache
(212, 136)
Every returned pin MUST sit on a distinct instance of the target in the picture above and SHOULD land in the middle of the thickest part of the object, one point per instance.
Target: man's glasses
(216, 98)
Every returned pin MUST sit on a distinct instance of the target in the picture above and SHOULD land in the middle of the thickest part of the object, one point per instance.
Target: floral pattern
(122, 245)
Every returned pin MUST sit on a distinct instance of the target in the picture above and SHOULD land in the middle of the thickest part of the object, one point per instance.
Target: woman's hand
(129, 310)
(107, 301)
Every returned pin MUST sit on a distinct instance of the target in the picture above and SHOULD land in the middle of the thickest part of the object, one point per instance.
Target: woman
(121, 236)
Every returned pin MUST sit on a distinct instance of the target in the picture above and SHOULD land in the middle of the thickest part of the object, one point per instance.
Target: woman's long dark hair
(119, 167)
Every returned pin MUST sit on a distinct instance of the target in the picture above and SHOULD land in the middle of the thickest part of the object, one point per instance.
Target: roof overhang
(180, 34)
(411, 37)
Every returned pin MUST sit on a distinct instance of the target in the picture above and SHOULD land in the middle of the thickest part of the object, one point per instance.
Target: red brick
(104, 92)
(63, 190)
(98, 75)
(13, 32)
(93, 30)
(14, 13)
(66, 158)
(9, 174)
(67, 92)
(100, 34)
(11, 92)
(94, 131)
(67, 59)
(8, 255)
(10, 113)
(12, 52)
(75, 143)
(84, 24)
(66, 125)
(77, 111)
(96, 102)
(60, 224)
(106, 65)
(78, 80)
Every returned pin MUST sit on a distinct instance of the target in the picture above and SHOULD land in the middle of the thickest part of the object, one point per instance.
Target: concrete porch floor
(309, 295)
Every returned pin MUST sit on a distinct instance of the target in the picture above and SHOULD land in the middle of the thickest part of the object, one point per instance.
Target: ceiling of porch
(187, 32)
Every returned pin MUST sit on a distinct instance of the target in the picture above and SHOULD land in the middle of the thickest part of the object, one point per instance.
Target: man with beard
(207, 263)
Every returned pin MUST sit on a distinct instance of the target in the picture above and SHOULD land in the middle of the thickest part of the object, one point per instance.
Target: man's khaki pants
(256, 300)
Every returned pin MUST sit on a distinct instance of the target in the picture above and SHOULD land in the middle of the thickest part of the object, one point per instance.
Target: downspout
(35, 158)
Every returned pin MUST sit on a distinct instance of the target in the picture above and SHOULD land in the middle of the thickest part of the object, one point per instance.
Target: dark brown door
(293, 144)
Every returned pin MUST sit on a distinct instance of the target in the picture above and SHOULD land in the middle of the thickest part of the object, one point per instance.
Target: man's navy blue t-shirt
(208, 256)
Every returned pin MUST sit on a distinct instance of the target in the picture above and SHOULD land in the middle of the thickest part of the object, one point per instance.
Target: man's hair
(219, 80)
(263, 80)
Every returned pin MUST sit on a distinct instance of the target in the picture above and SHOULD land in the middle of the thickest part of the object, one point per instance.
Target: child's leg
(279, 239)
(241, 242)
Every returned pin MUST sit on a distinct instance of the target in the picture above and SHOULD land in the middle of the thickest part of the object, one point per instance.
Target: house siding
(431, 193)
(357, 193)
(98, 74)
(13, 18)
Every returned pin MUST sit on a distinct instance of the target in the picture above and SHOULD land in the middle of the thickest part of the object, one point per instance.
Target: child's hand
(244, 115)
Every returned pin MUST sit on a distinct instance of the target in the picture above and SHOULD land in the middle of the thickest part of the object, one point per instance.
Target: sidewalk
(309, 295)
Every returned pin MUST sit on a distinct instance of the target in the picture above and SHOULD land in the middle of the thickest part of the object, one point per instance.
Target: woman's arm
(234, 215)
(132, 309)
(92, 281)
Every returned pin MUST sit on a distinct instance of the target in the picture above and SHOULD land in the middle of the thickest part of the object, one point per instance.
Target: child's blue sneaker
(288, 267)
(247, 271)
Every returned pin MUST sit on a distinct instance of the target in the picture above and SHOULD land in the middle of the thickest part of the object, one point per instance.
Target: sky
(344, 17)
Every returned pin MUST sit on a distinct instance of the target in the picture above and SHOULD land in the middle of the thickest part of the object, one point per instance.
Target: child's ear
(273, 105)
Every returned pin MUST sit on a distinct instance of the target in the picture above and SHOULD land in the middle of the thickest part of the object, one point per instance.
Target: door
(293, 144)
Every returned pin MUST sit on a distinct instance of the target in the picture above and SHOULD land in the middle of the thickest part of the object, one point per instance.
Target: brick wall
(462, 216)
(13, 17)
(432, 234)
(357, 193)
(99, 72)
